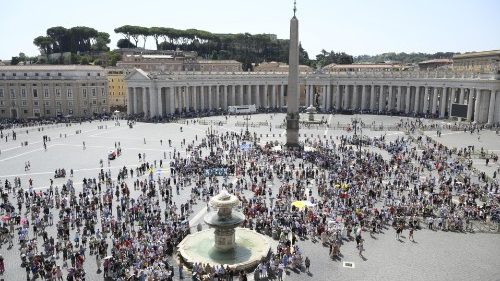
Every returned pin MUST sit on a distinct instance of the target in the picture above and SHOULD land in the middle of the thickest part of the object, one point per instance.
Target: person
(2, 265)
(307, 262)
(410, 236)
(361, 247)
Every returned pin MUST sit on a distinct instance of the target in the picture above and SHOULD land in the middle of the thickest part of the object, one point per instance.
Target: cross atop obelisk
(292, 117)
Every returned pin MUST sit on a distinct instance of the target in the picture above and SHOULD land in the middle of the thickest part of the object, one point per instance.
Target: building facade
(36, 91)
(483, 62)
(117, 92)
(409, 92)
(173, 61)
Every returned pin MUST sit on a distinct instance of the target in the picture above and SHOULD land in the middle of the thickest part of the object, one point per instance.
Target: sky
(356, 27)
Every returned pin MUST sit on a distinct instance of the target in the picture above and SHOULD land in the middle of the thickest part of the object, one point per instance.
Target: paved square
(434, 255)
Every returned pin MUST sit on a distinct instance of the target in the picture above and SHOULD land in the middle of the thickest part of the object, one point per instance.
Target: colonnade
(411, 95)
(483, 105)
(159, 101)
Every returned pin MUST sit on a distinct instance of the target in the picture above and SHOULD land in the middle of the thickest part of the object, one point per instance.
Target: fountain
(225, 243)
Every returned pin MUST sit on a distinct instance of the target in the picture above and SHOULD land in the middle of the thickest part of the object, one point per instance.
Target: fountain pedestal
(224, 239)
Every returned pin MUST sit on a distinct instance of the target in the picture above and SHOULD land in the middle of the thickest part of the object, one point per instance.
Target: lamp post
(247, 133)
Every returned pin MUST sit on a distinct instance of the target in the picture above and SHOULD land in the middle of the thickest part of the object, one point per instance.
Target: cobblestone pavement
(434, 256)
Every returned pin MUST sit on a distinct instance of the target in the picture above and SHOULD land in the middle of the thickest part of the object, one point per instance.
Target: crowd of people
(334, 192)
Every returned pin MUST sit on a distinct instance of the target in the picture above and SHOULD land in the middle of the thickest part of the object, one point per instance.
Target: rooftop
(436, 61)
(48, 67)
(477, 54)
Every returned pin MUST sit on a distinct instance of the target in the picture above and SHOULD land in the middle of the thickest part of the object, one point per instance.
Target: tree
(156, 32)
(14, 61)
(44, 43)
(22, 57)
(125, 43)
(101, 42)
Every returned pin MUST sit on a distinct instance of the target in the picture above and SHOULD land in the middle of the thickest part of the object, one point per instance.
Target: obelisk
(292, 117)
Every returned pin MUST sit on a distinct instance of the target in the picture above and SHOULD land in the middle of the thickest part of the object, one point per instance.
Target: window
(13, 103)
(25, 111)
(58, 103)
(48, 74)
(70, 93)
(25, 74)
(13, 74)
(35, 93)
(112, 80)
(103, 93)
(94, 102)
(47, 111)
(1, 93)
(46, 93)
(70, 103)
(36, 112)
(88, 74)
(70, 111)
(85, 103)
(47, 103)
(103, 101)
(84, 93)
(36, 74)
(93, 92)
(58, 93)
(35, 103)
(58, 111)
(24, 103)
(12, 93)
(1, 103)
(98, 74)
(23, 93)
(59, 74)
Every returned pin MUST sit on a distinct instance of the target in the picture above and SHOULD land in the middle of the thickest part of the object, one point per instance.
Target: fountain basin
(249, 249)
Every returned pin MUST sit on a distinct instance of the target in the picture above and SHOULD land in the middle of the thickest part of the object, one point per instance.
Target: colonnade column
(195, 98)
(355, 97)
(491, 109)
(407, 99)
(451, 100)
(161, 101)
(144, 101)
(187, 96)
(282, 96)
(372, 97)
(470, 104)
(171, 97)
(130, 99)
(399, 99)
(462, 96)
(434, 101)
(337, 98)
(442, 109)
(153, 101)
(381, 99)
(426, 100)
(202, 97)
(328, 97)
(476, 105)
(257, 96)
(210, 97)
(390, 103)
(233, 95)
(224, 97)
(416, 106)
(363, 97)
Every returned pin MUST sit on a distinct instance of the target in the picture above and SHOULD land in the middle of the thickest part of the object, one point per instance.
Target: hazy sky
(355, 26)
